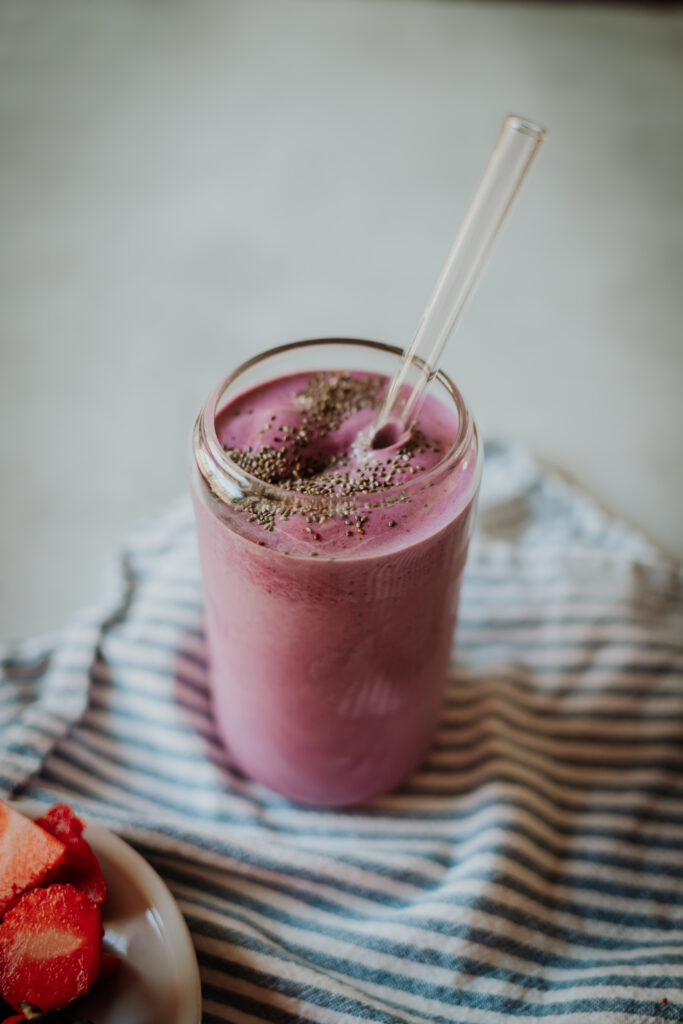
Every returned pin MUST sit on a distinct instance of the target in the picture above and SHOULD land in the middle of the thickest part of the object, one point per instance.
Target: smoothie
(331, 580)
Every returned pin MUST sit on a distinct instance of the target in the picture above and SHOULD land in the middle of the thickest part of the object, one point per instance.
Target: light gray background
(184, 183)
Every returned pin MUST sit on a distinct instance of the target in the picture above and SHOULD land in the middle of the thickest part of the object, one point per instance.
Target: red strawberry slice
(28, 856)
(49, 948)
(60, 821)
(80, 866)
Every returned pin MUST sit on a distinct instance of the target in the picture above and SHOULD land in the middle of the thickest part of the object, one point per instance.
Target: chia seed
(325, 402)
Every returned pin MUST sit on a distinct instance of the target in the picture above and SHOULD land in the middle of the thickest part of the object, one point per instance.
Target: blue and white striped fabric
(533, 868)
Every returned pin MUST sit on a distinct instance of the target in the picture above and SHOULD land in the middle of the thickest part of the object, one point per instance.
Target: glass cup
(327, 674)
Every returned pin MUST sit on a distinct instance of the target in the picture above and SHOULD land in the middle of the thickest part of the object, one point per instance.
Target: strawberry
(81, 869)
(80, 866)
(50, 948)
(60, 821)
(28, 856)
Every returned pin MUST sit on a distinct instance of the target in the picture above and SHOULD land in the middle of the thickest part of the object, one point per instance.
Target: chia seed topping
(306, 460)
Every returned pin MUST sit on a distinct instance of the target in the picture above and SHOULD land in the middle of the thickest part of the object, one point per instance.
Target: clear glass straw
(507, 168)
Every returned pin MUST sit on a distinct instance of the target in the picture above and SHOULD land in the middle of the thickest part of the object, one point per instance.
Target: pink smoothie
(330, 629)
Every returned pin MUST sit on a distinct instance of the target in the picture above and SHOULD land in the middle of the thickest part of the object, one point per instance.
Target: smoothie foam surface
(307, 434)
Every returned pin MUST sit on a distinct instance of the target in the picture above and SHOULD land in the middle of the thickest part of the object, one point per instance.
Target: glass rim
(230, 482)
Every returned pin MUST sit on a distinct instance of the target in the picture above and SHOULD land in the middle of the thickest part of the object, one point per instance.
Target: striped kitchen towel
(532, 868)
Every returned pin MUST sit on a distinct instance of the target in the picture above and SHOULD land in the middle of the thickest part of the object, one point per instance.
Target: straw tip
(515, 123)
(389, 435)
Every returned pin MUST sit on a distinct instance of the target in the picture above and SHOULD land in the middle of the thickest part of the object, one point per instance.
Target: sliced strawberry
(28, 856)
(50, 947)
(80, 866)
(60, 821)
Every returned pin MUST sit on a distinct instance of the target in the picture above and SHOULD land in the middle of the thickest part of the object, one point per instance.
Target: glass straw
(508, 165)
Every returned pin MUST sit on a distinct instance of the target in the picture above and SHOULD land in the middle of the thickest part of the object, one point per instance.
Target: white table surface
(186, 183)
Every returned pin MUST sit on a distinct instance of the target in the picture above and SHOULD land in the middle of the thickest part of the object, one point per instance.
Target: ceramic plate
(159, 978)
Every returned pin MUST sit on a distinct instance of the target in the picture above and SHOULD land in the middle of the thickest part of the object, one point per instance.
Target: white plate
(158, 979)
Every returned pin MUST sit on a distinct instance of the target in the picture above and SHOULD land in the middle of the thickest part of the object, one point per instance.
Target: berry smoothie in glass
(331, 570)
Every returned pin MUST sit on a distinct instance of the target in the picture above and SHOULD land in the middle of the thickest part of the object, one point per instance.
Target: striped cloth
(533, 867)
